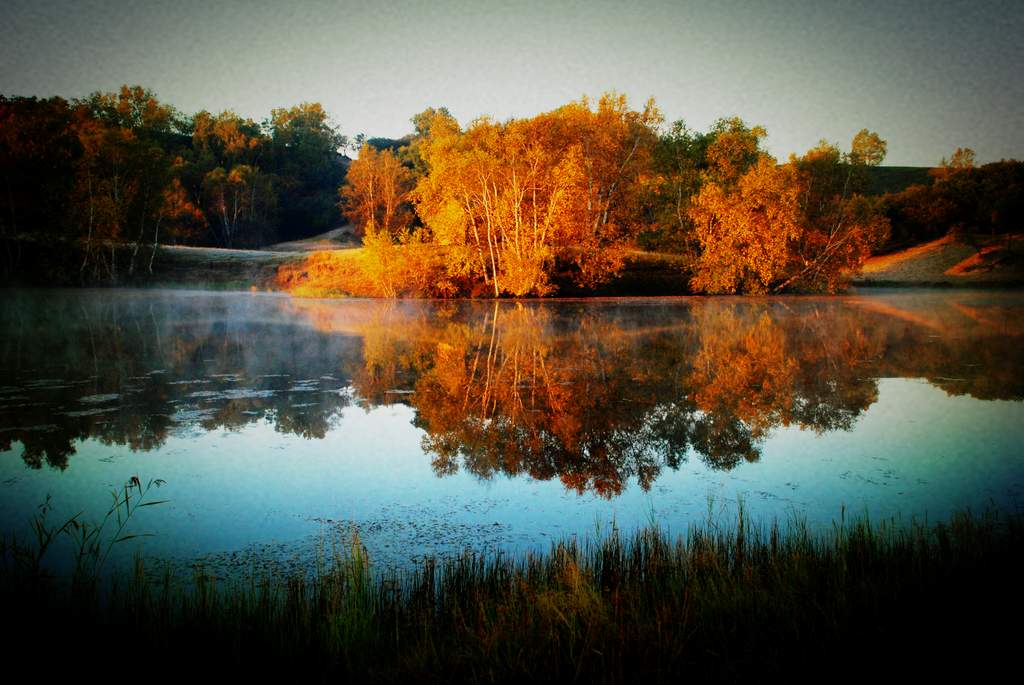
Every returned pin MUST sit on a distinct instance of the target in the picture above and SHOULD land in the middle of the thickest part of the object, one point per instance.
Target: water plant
(726, 601)
(92, 542)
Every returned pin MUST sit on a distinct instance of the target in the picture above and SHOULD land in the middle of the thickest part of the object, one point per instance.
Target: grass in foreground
(716, 603)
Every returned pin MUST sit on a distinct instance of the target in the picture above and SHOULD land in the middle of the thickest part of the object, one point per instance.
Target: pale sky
(927, 76)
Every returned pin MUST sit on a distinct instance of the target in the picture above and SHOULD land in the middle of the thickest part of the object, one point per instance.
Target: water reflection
(133, 368)
(591, 393)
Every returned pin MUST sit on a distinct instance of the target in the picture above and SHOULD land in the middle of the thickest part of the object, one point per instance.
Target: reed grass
(720, 602)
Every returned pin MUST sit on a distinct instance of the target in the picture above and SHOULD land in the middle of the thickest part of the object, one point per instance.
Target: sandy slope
(985, 261)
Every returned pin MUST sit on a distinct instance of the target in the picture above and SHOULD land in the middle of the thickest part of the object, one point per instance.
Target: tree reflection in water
(593, 393)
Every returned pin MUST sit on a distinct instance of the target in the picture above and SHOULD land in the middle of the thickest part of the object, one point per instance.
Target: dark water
(432, 427)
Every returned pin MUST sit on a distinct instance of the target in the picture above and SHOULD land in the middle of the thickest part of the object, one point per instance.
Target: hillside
(893, 179)
(971, 261)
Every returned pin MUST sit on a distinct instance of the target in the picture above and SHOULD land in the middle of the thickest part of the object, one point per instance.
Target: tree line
(516, 207)
(124, 168)
(962, 198)
(527, 206)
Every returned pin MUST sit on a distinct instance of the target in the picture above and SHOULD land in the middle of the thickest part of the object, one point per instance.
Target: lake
(282, 424)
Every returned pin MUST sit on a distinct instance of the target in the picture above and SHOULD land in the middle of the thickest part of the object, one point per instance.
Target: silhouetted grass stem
(715, 602)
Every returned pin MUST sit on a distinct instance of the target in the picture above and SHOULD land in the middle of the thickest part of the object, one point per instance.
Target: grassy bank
(720, 602)
(419, 270)
(63, 263)
(303, 269)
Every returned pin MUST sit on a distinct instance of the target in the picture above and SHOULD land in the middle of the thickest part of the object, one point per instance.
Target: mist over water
(436, 426)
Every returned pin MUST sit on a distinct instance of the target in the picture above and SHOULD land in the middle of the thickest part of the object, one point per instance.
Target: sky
(927, 76)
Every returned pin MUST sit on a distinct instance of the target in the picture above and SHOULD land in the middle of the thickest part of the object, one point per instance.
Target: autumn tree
(800, 226)
(375, 198)
(375, 194)
(494, 197)
(431, 121)
(841, 224)
(745, 213)
(126, 139)
(232, 197)
(733, 149)
(616, 143)
(180, 219)
(961, 160)
(226, 178)
(512, 201)
(745, 229)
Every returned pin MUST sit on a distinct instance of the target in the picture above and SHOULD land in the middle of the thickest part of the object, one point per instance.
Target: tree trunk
(156, 241)
(142, 231)
(88, 237)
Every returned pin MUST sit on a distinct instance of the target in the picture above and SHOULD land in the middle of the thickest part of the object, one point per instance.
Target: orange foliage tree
(801, 226)
(745, 230)
(511, 201)
(122, 171)
(375, 193)
(734, 148)
(375, 198)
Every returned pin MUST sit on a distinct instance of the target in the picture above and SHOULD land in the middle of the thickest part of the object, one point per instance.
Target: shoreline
(644, 274)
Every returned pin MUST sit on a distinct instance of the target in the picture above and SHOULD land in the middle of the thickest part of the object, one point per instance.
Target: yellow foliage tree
(734, 149)
(511, 201)
(745, 230)
(375, 193)
(800, 226)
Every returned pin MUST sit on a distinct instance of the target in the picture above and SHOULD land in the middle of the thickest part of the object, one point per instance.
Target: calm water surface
(433, 427)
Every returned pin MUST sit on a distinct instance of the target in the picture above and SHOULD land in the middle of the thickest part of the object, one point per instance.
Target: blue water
(281, 425)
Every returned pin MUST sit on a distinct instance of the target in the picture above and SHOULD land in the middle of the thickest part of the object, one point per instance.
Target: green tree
(307, 161)
(680, 159)
(841, 225)
(39, 151)
(227, 179)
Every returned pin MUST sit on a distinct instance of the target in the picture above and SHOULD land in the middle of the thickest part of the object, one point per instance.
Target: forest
(535, 206)
(124, 168)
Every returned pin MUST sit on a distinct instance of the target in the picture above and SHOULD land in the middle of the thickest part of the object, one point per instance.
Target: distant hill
(893, 179)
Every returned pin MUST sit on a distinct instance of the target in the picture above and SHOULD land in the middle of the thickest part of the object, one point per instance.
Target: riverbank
(332, 265)
(722, 602)
(964, 261)
(323, 266)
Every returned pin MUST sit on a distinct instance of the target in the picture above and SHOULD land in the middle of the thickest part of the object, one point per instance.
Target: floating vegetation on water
(99, 399)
